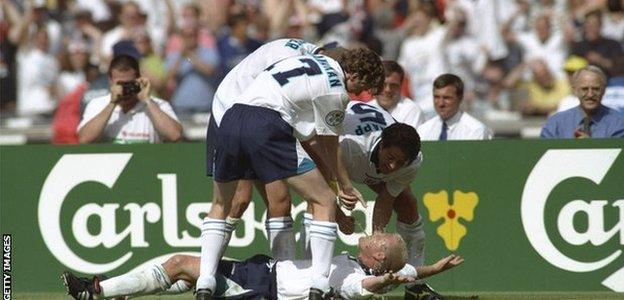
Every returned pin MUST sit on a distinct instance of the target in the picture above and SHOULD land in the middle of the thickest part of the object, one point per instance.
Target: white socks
(145, 282)
(304, 236)
(281, 237)
(414, 237)
(214, 238)
(322, 237)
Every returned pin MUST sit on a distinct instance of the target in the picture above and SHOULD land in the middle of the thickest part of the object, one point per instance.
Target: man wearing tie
(451, 123)
(590, 119)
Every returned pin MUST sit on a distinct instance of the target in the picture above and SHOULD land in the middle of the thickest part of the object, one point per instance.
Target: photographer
(128, 114)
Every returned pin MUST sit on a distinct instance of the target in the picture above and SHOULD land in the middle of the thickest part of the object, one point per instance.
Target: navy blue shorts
(255, 143)
(253, 278)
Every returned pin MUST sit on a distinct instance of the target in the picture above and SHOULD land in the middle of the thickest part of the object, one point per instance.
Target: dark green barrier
(526, 215)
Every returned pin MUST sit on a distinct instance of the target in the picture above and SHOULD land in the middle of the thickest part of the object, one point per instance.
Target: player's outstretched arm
(441, 265)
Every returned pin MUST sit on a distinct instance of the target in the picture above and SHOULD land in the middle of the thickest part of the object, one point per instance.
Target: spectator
(598, 50)
(572, 64)
(128, 115)
(236, 45)
(401, 108)
(590, 118)
(9, 42)
(190, 16)
(194, 72)
(152, 65)
(614, 93)
(422, 59)
(451, 123)
(462, 54)
(544, 43)
(130, 21)
(541, 94)
(37, 70)
(73, 73)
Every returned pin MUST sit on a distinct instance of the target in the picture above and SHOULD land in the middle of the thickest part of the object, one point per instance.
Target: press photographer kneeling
(128, 114)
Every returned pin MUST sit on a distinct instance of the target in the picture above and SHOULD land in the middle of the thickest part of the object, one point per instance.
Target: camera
(130, 88)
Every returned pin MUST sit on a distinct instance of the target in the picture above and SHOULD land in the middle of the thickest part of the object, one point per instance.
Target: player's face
(391, 93)
(355, 85)
(446, 101)
(391, 159)
(589, 89)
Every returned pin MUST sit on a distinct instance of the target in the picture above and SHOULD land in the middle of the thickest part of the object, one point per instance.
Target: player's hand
(145, 85)
(448, 262)
(350, 196)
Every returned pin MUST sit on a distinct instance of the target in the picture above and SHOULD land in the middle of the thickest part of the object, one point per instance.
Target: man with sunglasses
(377, 269)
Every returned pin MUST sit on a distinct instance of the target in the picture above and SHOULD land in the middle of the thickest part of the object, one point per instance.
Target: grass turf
(396, 296)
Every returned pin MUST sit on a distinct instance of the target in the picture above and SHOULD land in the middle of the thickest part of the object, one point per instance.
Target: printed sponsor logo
(105, 169)
(553, 168)
(464, 204)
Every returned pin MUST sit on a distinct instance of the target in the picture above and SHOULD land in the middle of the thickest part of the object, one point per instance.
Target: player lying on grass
(374, 270)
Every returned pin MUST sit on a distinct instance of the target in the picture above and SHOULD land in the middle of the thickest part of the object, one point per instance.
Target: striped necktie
(443, 133)
(586, 126)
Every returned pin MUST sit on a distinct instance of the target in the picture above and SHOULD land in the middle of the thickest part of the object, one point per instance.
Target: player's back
(243, 74)
(290, 86)
(362, 127)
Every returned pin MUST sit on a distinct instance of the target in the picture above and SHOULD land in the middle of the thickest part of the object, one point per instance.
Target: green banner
(526, 215)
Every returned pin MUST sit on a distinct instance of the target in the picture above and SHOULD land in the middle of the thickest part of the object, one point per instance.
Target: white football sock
(178, 287)
(414, 237)
(145, 282)
(281, 237)
(304, 236)
(322, 237)
(214, 232)
(229, 228)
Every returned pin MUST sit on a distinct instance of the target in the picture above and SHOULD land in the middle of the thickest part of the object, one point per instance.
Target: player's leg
(410, 226)
(323, 229)
(231, 163)
(279, 223)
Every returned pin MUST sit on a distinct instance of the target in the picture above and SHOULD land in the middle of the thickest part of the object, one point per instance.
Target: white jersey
(308, 91)
(345, 277)
(239, 78)
(361, 136)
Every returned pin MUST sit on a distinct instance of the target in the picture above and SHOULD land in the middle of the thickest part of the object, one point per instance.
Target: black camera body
(130, 88)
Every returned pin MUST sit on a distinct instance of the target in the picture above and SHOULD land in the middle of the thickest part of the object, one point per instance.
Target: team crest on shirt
(335, 117)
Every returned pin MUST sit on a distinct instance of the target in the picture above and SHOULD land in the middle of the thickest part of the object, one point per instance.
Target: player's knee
(177, 262)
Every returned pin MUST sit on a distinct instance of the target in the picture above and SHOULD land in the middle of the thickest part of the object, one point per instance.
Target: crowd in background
(513, 55)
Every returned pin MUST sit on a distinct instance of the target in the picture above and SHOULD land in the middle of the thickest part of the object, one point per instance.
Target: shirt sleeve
(352, 287)
(329, 113)
(93, 108)
(166, 108)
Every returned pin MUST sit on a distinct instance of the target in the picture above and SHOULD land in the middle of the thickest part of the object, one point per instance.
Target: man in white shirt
(378, 268)
(299, 98)
(402, 109)
(451, 123)
(128, 114)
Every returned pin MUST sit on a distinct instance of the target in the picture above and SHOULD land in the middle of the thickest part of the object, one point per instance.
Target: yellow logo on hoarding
(463, 207)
